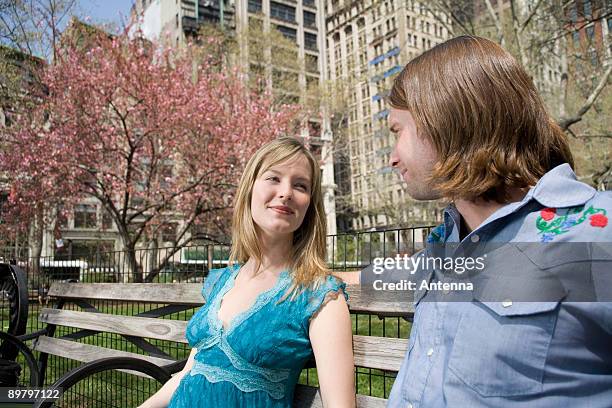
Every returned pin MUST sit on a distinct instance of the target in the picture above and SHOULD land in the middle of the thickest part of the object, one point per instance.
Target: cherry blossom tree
(153, 134)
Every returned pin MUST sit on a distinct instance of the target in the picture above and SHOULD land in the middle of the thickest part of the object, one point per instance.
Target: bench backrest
(382, 353)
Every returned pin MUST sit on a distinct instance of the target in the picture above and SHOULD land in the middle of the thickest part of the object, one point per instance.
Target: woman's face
(281, 196)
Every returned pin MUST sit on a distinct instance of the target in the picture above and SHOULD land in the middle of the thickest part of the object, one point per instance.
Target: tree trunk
(36, 233)
(134, 269)
(152, 263)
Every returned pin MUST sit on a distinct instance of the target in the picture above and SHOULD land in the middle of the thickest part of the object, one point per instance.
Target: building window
(588, 10)
(365, 92)
(282, 12)
(107, 220)
(254, 6)
(590, 31)
(574, 14)
(310, 19)
(310, 41)
(3, 199)
(289, 33)
(309, 3)
(95, 252)
(166, 174)
(312, 63)
(168, 232)
(85, 216)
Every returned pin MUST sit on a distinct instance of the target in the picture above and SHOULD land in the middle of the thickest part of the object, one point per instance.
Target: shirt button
(507, 303)
(429, 352)
(475, 238)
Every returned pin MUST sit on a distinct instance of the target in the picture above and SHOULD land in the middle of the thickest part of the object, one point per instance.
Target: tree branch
(496, 21)
(530, 16)
(566, 122)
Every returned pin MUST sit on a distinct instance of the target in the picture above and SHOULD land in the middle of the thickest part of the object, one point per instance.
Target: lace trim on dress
(331, 295)
(243, 381)
(210, 281)
(262, 300)
(271, 374)
(209, 341)
(213, 320)
(330, 291)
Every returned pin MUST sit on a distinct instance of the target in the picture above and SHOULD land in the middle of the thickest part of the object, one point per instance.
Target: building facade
(368, 43)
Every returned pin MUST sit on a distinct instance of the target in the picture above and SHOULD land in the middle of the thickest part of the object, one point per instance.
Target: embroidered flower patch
(599, 220)
(550, 223)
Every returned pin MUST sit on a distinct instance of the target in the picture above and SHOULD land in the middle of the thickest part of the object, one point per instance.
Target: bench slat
(305, 396)
(161, 329)
(87, 352)
(360, 301)
(383, 353)
(387, 303)
(310, 397)
(170, 293)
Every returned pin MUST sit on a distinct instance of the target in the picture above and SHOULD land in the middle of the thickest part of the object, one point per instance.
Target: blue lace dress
(257, 360)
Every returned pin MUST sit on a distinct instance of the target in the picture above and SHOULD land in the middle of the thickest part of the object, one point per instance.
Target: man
(472, 129)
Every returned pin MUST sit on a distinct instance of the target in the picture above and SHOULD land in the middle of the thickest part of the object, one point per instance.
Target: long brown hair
(483, 115)
(307, 261)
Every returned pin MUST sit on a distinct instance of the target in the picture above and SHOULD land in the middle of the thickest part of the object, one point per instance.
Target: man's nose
(394, 158)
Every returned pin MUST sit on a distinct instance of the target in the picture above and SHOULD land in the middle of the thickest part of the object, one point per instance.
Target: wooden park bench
(382, 353)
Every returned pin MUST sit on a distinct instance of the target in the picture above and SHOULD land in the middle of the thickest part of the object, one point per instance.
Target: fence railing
(346, 252)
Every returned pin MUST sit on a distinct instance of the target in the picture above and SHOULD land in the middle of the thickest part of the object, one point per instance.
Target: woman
(276, 304)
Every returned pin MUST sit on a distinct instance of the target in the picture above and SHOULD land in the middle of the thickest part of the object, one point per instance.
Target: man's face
(413, 156)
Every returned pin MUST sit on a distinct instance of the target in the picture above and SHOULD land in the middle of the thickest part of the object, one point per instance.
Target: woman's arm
(332, 342)
(162, 397)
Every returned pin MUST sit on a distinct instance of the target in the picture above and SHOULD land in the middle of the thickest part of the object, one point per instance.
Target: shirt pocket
(500, 349)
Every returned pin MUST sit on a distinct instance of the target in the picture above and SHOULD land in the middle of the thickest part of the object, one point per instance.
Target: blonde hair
(307, 260)
(483, 115)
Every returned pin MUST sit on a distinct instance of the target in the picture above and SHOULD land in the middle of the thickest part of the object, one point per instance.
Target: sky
(105, 11)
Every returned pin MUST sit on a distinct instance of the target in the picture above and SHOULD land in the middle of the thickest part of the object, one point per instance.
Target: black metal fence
(346, 252)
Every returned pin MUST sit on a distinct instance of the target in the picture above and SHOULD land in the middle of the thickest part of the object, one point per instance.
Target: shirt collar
(558, 188)
(452, 221)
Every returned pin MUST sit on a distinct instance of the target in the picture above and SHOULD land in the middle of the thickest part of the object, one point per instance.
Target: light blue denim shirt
(523, 354)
